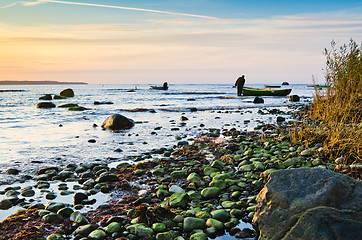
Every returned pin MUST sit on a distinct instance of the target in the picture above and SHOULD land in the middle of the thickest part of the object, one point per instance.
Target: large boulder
(309, 203)
(117, 122)
(67, 93)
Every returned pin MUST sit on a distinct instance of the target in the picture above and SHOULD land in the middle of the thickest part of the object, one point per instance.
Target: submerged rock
(309, 203)
(45, 105)
(117, 122)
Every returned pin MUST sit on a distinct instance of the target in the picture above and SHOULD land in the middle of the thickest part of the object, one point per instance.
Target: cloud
(9, 5)
(37, 2)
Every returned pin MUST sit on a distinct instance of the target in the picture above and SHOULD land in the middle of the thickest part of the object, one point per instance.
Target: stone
(217, 164)
(97, 234)
(5, 204)
(309, 203)
(77, 217)
(193, 177)
(28, 193)
(46, 97)
(58, 97)
(158, 227)
(294, 98)
(165, 235)
(306, 153)
(54, 206)
(178, 174)
(68, 105)
(117, 122)
(210, 192)
(113, 227)
(175, 188)
(12, 171)
(55, 236)
(85, 230)
(52, 218)
(107, 177)
(65, 212)
(218, 225)
(280, 119)
(143, 231)
(191, 223)
(180, 199)
(199, 236)
(45, 105)
(79, 197)
(220, 214)
(67, 93)
(258, 100)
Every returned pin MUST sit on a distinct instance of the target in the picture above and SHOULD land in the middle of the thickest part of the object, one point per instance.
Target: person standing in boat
(240, 84)
(165, 86)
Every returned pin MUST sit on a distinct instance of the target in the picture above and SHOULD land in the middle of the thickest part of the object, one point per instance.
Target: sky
(184, 41)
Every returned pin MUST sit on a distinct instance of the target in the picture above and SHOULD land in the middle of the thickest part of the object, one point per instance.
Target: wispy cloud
(9, 5)
(33, 3)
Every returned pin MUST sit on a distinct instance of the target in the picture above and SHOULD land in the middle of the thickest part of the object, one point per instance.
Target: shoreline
(39, 83)
(146, 184)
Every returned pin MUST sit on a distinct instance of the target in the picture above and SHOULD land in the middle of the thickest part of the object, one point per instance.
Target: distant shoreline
(37, 82)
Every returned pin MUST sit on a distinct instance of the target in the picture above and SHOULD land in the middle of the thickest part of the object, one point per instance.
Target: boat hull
(247, 91)
(158, 88)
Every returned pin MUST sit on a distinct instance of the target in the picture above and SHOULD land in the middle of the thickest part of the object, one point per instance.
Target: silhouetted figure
(240, 84)
(165, 85)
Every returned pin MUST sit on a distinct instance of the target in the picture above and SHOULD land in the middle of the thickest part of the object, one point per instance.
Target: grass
(334, 117)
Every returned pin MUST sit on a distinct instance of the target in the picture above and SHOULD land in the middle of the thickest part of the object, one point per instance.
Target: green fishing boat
(249, 91)
(271, 86)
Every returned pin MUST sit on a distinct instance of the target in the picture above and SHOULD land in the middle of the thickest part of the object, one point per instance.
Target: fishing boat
(249, 91)
(271, 86)
(158, 88)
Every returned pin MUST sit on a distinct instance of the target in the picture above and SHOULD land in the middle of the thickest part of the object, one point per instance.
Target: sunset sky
(185, 41)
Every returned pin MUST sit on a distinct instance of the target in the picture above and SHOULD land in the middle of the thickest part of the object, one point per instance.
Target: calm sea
(31, 137)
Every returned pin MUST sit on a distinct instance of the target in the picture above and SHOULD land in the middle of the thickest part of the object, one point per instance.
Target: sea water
(30, 137)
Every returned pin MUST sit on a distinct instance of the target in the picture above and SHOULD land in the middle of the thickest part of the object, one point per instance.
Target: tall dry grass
(334, 118)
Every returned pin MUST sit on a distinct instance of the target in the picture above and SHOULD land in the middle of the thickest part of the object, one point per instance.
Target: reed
(334, 118)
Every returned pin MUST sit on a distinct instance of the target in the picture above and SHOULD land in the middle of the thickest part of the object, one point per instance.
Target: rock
(28, 193)
(54, 206)
(309, 203)
(68, 105)
(175, 188)
(143, 231)
(220, 214)
(12, 171)
(218, 225)
(51, 196)
(77, 108)
(52, 218)
(65, 212)
(179, 199)
(97, 235)
(258, 100)
(178, 174)
(46, 97)
(77, 217)
(191, 223)
(101, 103)
(158, 227)
(193, 177)
(183, 118)
(210, 192)
(307, 153)
(113, 227)
(67, 93)
(85, 230)
(79, 197)
(199, 236)
(165, 235)
(294, 98)
(58, 97)
(280, 119)
(45, 105)
(117, 122)
(107, 177)
(55, 236)
(5, 204)
(285, 83)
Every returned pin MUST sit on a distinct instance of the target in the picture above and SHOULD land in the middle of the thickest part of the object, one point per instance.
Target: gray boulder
(309, 203)
(258, 100)
(117, 122)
